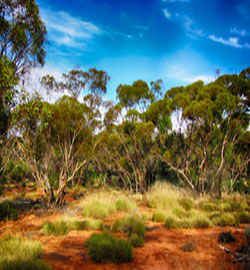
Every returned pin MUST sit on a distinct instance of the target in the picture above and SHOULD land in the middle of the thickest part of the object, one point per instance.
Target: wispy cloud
(204, 78)
(167, 13)
(69, 31)
(232, 41)
(238, 32)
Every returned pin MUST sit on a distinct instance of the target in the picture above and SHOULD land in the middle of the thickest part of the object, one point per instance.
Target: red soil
(162, 249)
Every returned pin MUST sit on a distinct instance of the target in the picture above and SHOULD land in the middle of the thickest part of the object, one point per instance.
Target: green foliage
(136, 241)
(201, 222)
(243, 217)
(8, 211)
(56, 228)
(226, 237)
(92, 224)
(105, 247)
(171, 223)
(208, 206)
(130, 225)
(189, 246)
(224, 219)
(124, 204)
(247, 235)
(186, 203)
(180, 213)
(98, 209)
(159, 216)
(21, 254)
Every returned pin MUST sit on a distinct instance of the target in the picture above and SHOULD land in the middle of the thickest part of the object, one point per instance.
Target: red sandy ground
(162, 249)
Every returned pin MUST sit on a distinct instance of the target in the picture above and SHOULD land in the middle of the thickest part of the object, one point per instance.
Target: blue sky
(178, 41)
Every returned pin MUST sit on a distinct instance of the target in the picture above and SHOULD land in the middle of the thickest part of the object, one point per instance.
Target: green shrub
(201, 222)
(247, 235)
(209, 207)
(226, 237)
(129, 226)
(98, 209)
(180, 213)
(171, 223)
(106, 247)
(124, 204)
(136, 241)
(224, 219)
(56, 228)
(21, 254)
(92, 224)
(243, 217)
(232, 206)
(158, 216)
(185, 203)
(189, 246)
(8, 211)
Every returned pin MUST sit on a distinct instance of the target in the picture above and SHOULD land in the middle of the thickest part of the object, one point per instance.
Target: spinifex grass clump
(171, 223)
(243, 217)
(106, 247)
(130, 225)
(8, 211)
(159, 216)
(226, 237)
(135, 240)
(186, 203)
(224, 219)
(124, 204)
(189, 246)
(21, 254)
(208, 206)
(56, 228)
(98, 209)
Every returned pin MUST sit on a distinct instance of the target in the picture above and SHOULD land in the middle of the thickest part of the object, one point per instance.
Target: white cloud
(232, 41)
(167, 13)
(204, 78)
(67, 30)
(238, 32)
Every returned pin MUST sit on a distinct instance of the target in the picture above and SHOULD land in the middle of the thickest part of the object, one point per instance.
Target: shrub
(247, 235)
(106, 247)
(171, 223)
(98, 209)
(184, 224)
(21, 254)
(159, 216)
(185, 203)
(180, 213)
(226, 237)
(92, 224)
(8, 211)
(56, 228)
(189, 246)
(124, 204)
(201, 222)
(136, 241)
(224, 219)
(243, 217)
(232, 206)
(209, 207)
(129, 226)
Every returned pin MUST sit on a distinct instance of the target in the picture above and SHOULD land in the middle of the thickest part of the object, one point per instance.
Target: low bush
(8, 211)
(189, 246)
(243, 217)
(105, 247)
(181, 213)
(224, 219)
(98, 209)
(171, 223)
(136, 241)
(184, 224)
(232, 206)
(226, 237)
(92, 224)
(56, 228)
(208, 206)
(185, 203)
(130, 225)
(124, 204)
(201, 222)
(247, 235)
(21, 254)
(159, 216)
